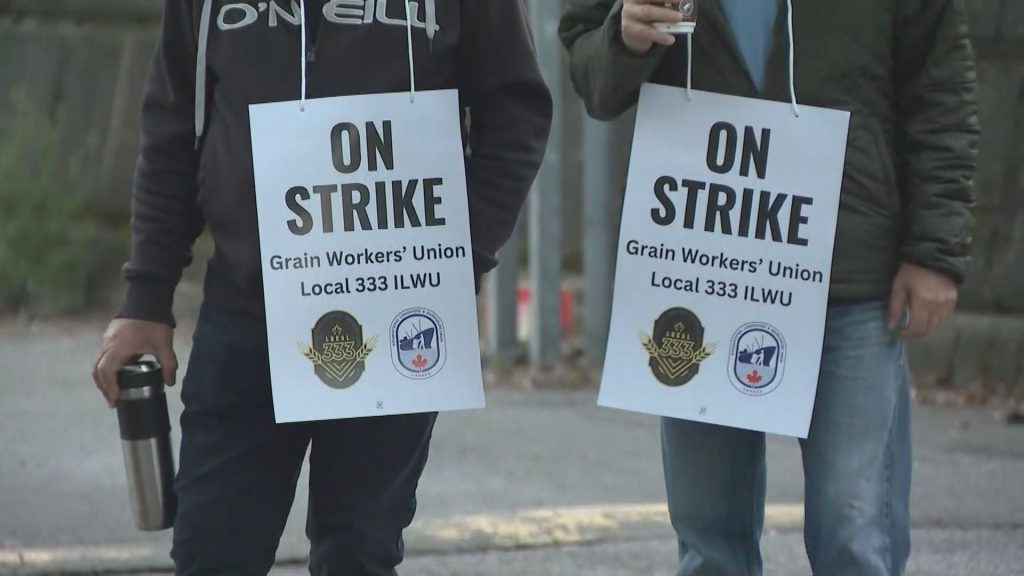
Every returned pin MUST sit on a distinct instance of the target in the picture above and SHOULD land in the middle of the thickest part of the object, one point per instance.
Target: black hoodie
(480, 47)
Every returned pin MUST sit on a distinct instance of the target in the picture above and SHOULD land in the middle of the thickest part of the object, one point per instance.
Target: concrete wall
(87, 61)
(89, 58)
(997, 282)
(985, 344)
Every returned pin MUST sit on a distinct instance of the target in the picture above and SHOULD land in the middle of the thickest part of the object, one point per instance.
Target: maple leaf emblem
(419, 362)
(754, 378)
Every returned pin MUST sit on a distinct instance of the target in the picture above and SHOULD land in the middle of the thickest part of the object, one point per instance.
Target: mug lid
(140, 375)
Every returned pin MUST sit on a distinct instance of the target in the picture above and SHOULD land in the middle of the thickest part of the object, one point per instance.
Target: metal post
(605, 154)
(545, 213)
(502, 289)
(598, 252)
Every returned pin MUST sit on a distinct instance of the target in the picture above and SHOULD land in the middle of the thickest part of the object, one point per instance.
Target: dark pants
(239, 469)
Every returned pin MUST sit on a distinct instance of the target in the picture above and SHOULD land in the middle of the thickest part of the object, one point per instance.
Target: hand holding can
(688, 13)
(643, 22)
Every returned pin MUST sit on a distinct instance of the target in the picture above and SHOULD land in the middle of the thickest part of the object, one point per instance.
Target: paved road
(63, 504)
(946, 553)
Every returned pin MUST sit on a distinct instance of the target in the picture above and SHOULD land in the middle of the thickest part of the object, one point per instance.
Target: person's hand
(930, 296)
(127, 340)
(638, 18)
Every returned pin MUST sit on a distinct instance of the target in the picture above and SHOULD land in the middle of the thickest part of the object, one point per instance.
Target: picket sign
(366, 256)
(724, 260)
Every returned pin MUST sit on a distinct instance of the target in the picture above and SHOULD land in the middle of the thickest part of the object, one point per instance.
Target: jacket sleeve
(937, 133)
(605, 73)
(165, 216)
(510, 113)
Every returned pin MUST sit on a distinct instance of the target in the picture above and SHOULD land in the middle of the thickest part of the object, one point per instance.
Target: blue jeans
(239, 469)
(856, 466)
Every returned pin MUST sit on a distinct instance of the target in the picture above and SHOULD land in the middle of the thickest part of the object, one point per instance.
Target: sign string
(792, 61)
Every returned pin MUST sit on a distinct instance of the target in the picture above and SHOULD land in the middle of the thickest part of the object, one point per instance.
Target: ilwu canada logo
(757, 359)
(418, 347)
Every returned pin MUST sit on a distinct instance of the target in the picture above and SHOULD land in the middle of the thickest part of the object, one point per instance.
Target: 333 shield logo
(676, 347)
(338, 352)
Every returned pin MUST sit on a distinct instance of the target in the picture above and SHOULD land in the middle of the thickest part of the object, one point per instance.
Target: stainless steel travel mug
(146, 445)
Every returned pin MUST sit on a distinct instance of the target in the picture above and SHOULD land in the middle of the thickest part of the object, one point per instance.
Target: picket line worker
(238, 469)
(905, 70)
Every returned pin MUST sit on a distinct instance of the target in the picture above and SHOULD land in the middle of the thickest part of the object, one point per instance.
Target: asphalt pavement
(540, 483)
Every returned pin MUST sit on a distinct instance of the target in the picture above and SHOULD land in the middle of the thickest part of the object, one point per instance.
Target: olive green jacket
(903, 68)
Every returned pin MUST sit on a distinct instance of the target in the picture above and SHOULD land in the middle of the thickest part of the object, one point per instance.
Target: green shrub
(53, 251)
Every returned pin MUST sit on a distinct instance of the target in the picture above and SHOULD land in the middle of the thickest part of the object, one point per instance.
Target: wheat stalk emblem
(338, 370)
(667, 365)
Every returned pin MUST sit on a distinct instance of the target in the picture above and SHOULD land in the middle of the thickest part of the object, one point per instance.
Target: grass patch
(55, 253)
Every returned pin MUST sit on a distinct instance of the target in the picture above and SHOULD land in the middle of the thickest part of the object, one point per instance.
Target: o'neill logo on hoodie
(347, 12)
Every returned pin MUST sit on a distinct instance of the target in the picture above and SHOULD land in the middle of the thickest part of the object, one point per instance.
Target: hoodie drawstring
(408, 31)
(302, 55)
(792, 61)
(201, 51)
(412, 61)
